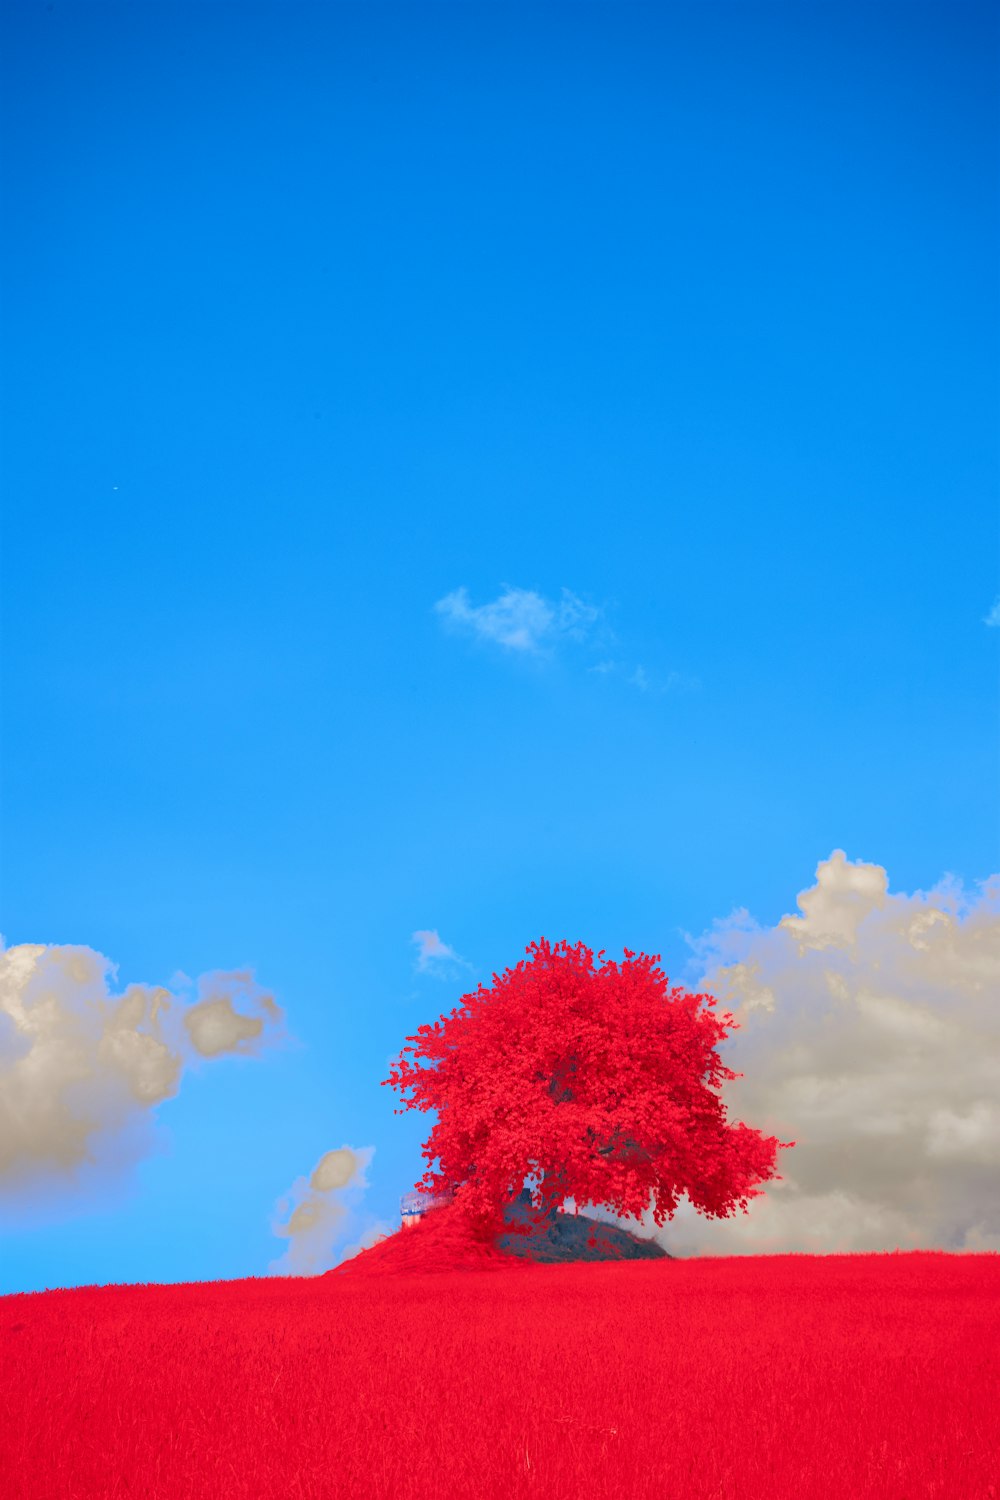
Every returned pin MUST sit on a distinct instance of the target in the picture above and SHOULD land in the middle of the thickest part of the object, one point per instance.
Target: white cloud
(322, 1211)
(525, 622)
(81, 1067)
(520, 619)
(434, 956)
(647, 682)
(871, 1037)
(993, 618)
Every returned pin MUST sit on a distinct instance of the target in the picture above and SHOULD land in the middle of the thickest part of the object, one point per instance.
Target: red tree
(599, 1082)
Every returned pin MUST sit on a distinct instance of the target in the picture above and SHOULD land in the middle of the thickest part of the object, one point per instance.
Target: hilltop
(443, 1241)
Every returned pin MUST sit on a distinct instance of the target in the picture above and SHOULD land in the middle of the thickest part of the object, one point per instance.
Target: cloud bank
(871, 1037)
(82, 1067)
(322, 1211)
(520, 620)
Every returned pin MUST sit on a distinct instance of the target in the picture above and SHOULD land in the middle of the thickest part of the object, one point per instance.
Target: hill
(442, 1241)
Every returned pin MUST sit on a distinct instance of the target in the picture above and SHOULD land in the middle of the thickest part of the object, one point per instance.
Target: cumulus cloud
(81, 1066)
(215, 1026)
(520, 619)
(335, 1170)
(993, 618)
(322, 1210)
(871, 1037)
(434, 956)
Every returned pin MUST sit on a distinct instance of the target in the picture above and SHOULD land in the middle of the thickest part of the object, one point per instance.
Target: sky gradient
(474, 473)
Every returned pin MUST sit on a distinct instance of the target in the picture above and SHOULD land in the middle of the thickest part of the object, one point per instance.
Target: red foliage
(599, 1081)
(784, 1377)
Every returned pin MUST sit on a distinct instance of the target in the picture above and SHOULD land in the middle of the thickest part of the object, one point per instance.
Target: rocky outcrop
(569, 1237)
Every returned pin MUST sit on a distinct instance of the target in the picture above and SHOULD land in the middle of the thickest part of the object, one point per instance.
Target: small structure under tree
(597, 1082)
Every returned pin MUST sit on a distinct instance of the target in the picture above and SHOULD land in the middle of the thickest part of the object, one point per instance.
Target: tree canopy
(599, 1082)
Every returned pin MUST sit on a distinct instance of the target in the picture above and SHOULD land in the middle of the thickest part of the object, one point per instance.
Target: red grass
(780, 1377)
(440, 1241)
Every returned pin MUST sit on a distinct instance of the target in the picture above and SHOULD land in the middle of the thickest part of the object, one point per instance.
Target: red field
(786, 1377)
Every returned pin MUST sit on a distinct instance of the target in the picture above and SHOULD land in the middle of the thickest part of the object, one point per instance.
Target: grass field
(778, 1377)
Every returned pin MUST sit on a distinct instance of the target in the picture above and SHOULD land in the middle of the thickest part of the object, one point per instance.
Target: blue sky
(482, 471)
